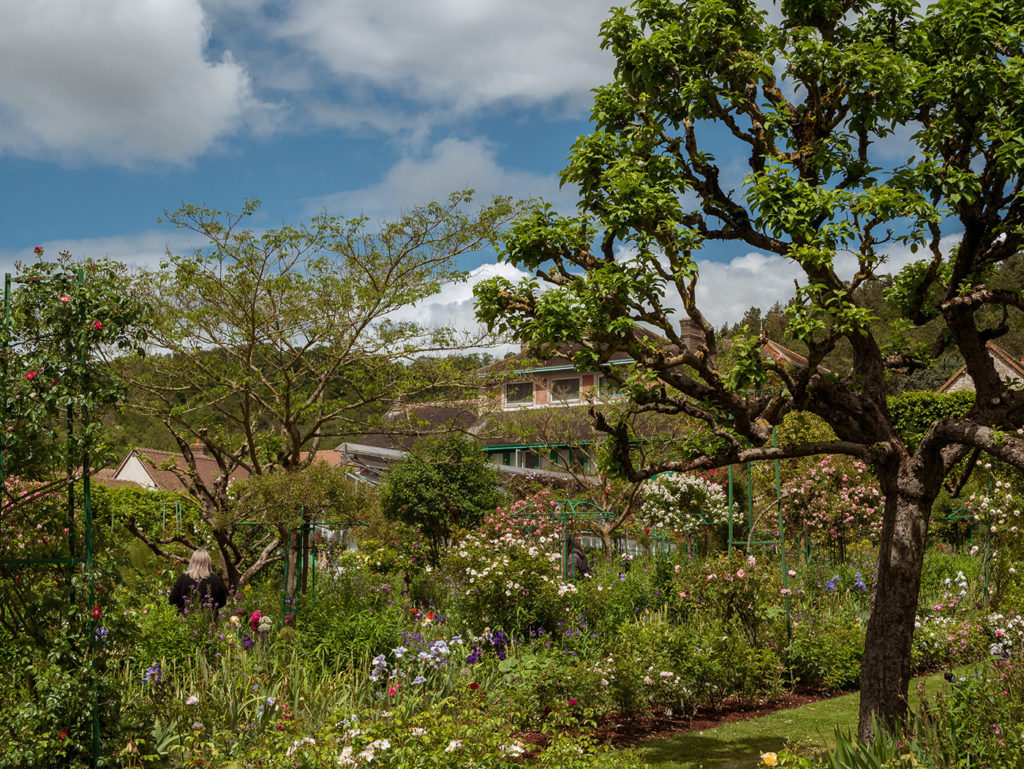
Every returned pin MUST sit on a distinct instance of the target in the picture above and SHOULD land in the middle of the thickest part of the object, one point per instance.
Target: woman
(199, 585)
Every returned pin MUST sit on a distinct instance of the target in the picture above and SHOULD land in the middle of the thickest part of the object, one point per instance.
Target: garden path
(739, 744)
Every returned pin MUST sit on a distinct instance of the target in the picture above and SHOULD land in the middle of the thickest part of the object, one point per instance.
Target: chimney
(691, 334)
(199, 448)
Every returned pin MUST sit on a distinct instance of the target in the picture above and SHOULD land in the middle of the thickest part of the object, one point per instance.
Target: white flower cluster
(996, 510)
(682, 503)
(1008, 632)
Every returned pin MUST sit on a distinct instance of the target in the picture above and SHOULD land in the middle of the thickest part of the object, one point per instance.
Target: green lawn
(739, 745)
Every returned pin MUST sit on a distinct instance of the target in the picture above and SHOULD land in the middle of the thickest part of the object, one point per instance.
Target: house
(1007, 366)
(150, 469)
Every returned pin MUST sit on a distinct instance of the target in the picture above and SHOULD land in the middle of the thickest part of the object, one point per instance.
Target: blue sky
(112, 111)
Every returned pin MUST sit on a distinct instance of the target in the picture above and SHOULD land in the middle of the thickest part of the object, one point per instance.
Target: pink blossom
(65, 298)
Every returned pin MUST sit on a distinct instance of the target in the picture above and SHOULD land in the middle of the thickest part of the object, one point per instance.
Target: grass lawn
(739, 745)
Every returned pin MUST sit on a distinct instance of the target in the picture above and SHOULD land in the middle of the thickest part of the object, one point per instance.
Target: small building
(1007, 366)
(151, 469)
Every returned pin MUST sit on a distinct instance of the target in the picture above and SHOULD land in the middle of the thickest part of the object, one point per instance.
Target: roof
(407, 423)
(781, 354)
(153, 460)
(525, 362)
(105, 477)
(368, 463)
(1015, 366)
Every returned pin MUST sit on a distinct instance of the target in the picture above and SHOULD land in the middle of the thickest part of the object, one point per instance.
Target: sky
(115, 111)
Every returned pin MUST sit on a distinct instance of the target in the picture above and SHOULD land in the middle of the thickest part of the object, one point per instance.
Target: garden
(771, 522)
(488, 651)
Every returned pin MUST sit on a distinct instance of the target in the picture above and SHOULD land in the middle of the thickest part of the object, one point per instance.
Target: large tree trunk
(886, 666)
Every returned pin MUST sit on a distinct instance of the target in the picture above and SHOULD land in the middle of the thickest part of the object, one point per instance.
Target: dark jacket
(207, 591)
(580, 567)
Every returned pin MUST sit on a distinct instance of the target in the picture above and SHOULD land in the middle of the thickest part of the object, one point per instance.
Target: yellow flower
(769, 759)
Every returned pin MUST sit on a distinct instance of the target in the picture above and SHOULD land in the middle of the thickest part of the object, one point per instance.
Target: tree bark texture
(886, 665)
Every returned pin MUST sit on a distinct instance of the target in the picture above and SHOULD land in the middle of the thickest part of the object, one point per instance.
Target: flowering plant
(682, 503)
(508, 572)
(834, 498)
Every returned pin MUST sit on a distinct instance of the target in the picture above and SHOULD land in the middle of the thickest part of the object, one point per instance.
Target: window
(565, 389)
(519, 393)
(608, 387)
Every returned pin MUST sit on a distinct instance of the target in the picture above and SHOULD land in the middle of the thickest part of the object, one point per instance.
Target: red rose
(96, 613)
(572, 703)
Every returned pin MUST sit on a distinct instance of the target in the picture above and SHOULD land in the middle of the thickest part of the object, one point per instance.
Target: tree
(297, 499)
(444, 483)
(816, 106)
(269, 343)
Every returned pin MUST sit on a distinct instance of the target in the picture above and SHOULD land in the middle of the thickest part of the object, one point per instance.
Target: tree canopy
(865, 128)
(444, 483)
(267, 344)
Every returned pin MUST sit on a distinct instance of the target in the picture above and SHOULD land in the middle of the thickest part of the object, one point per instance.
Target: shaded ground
(653, 726)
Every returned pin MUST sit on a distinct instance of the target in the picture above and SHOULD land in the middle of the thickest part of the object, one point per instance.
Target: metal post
(3, 432)
(782, 548)
(729, 549)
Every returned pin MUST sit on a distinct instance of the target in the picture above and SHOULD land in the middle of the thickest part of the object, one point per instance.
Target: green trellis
(298, 538)
(753, 518)
(564, 513)
(79, 554)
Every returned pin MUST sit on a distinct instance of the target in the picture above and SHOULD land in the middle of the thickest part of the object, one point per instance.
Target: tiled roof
(154, 459)
(995, 351)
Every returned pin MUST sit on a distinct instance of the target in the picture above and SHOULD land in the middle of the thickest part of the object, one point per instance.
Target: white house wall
(135, 471)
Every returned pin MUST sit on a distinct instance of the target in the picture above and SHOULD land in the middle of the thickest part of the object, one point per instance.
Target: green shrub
(339, 631)
(827, 649)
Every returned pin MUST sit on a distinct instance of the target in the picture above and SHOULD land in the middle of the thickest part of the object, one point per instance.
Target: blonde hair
(199, 566)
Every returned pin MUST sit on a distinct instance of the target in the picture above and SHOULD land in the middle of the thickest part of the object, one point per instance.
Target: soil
(654, 726)
(624, 733)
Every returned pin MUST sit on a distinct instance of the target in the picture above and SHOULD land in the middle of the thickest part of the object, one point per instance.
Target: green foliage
(159, 513)
(60, 329)
(507, 575)
(274, 340)
(913, 413)
(354, 619)
(318, 492)
(827, 649)
(443, 483)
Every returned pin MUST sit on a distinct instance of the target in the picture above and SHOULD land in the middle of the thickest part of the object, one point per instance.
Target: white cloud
(452, 164)
(118, 81)
(453, 306)
(463, 54)
(143, 250)
(725, 290)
